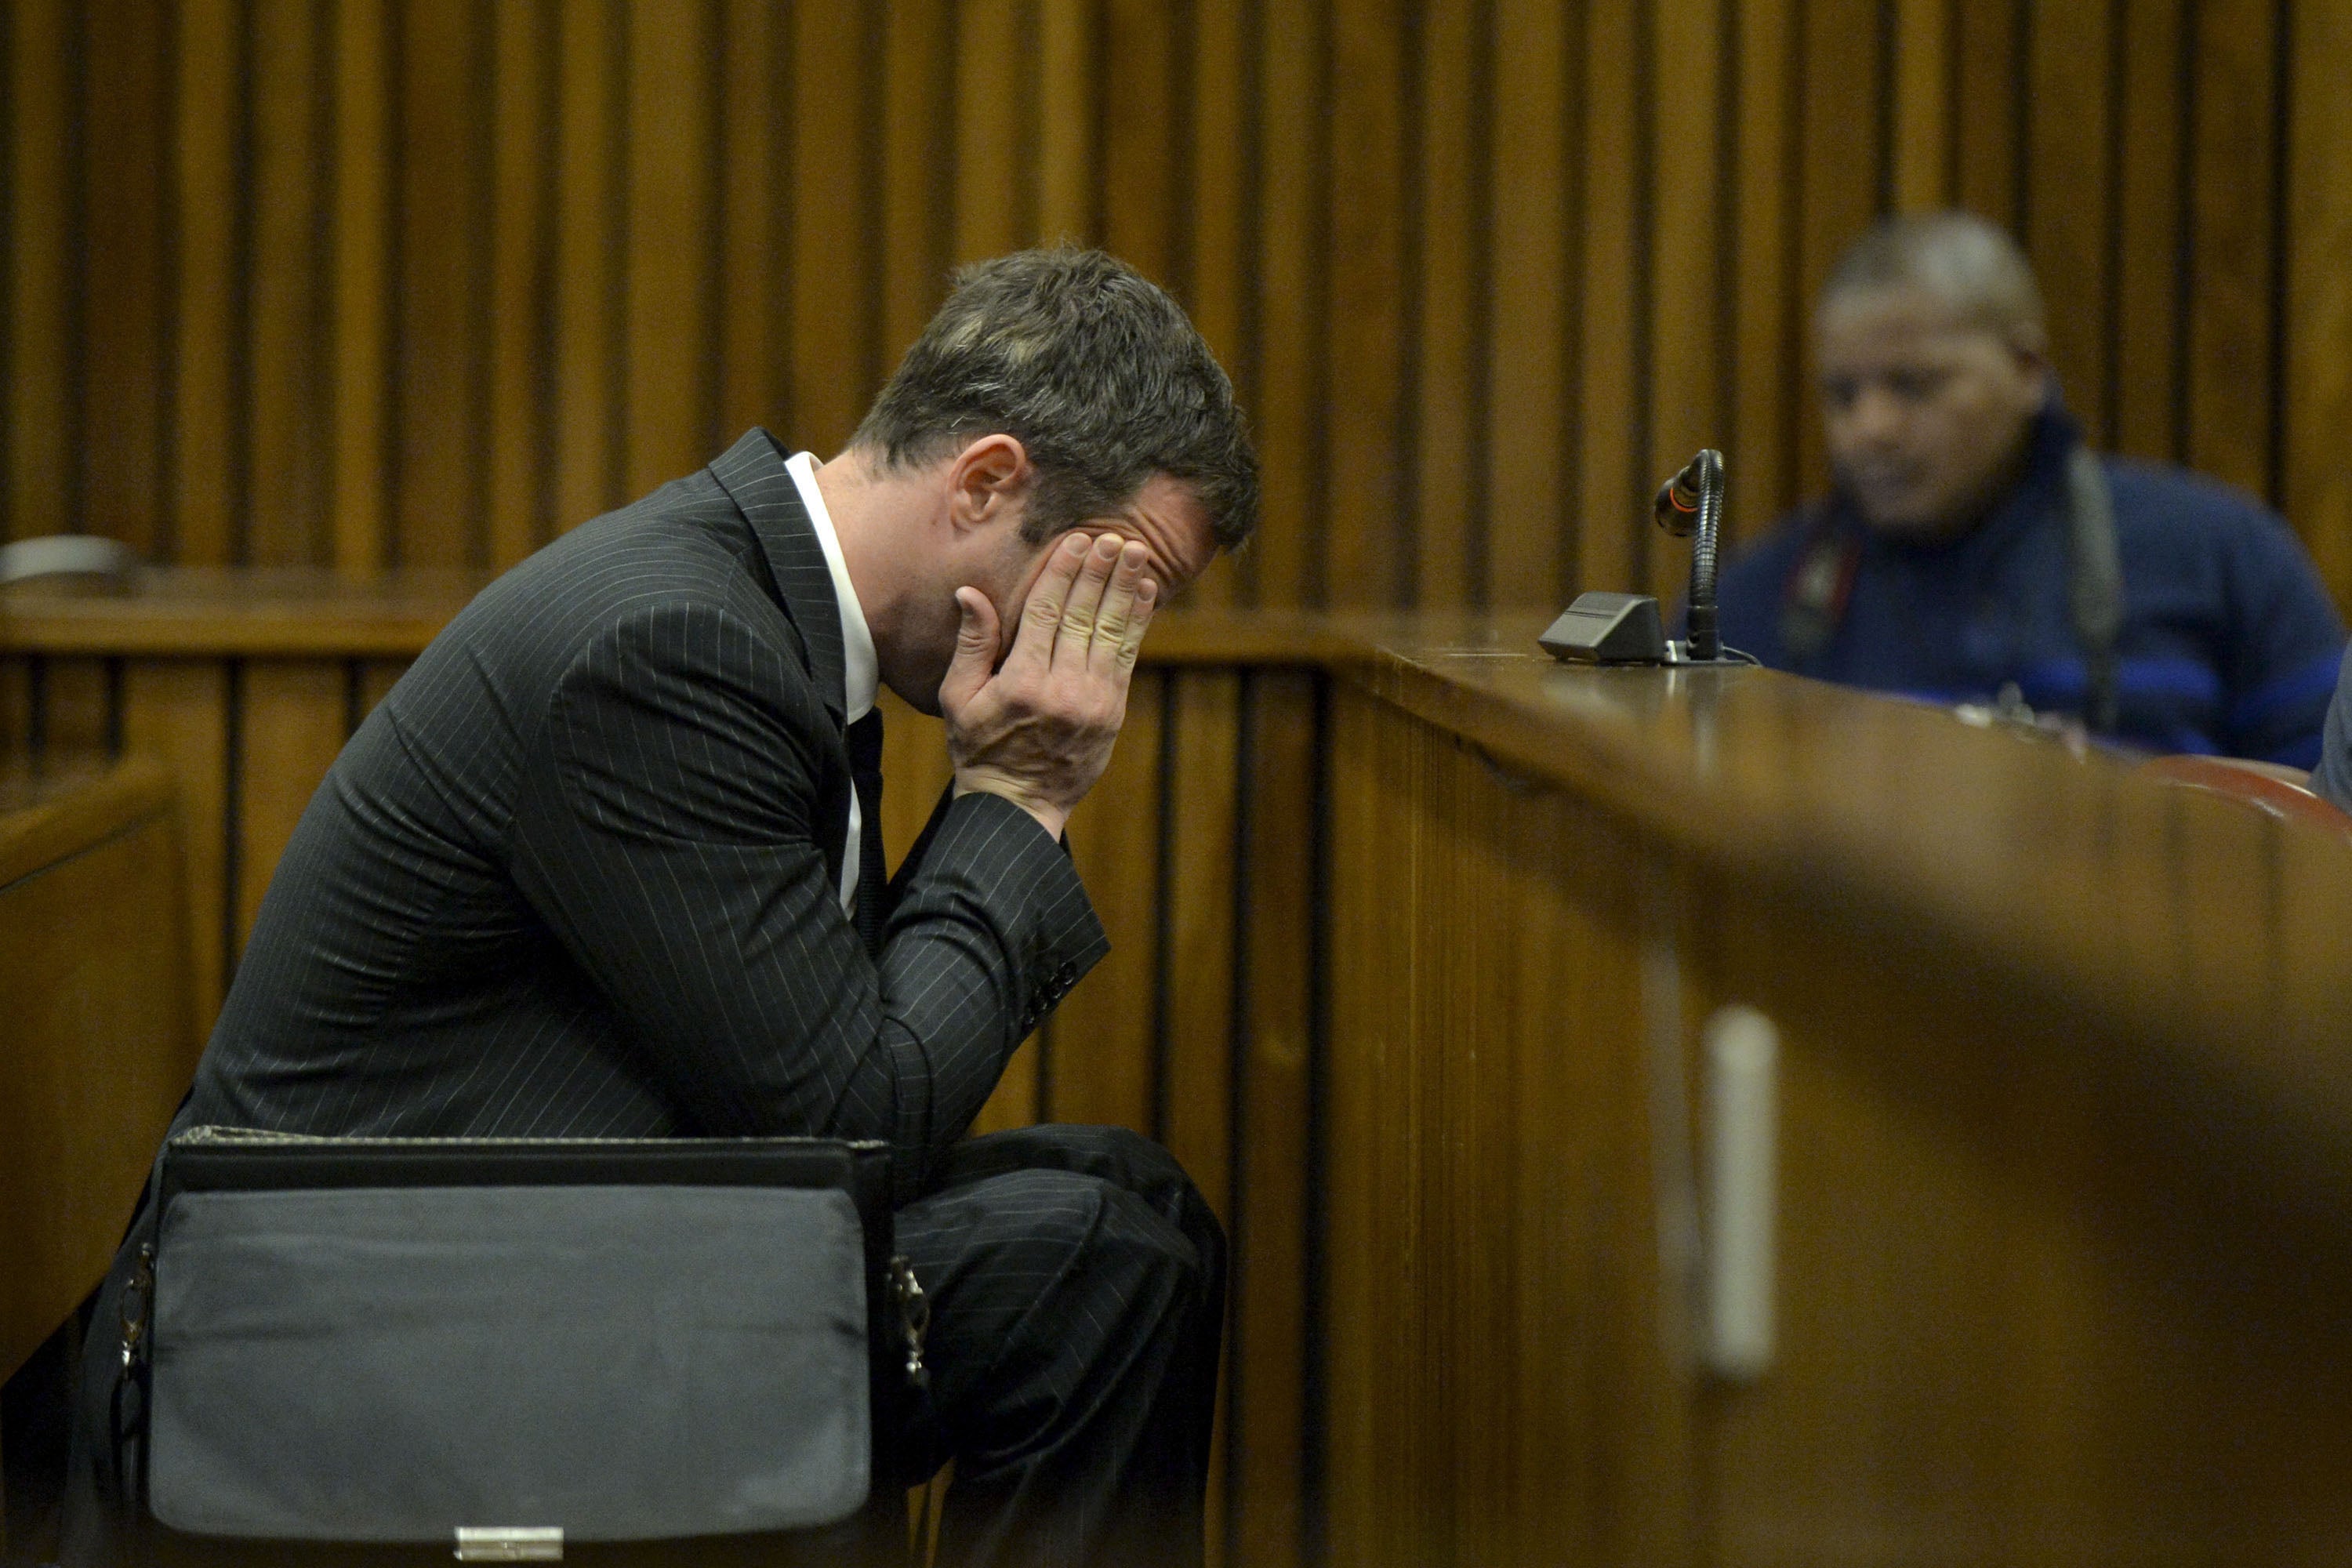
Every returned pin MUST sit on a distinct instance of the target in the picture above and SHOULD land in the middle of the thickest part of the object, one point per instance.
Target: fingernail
(1077, 545)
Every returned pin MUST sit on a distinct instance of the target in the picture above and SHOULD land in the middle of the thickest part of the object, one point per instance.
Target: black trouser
(1077, 1283)
(1076, 1280)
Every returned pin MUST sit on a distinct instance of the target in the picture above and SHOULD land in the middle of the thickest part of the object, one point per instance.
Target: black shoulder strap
(2094, 579)
(1812, 601)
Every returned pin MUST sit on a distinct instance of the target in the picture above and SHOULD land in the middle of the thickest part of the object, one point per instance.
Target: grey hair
(1968, 262)
(1094, 369)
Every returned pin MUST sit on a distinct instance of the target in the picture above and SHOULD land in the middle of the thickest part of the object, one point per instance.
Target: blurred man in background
(1974, 550)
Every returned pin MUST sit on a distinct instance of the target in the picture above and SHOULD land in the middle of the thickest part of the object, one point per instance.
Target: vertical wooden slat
(1069, 194)
(1838, 164)
(1292, 129)
(292, 725)
(208, 215)
(16, 709)
(1987, 73)
(754, 208)
(1102, 1033)
(77, 707)
(1363, 558)
(377, 676)
(126, 383)
(521, 204)
(1770, 392)
(1266, 1424)
(285, 521)
(441, 491)
(1686, 315)
(1015, 1101)
(1923, 109)
(42, 263)
(2230, 202)
(918, 167)
(2150, 124)
(589, 393)
(1217, 272)
(177, 710)
(363, 303)
(833, 259)
(2068, 213)
(2318, 371)
(1449, 495)
(1141, 159)
(1608, 381)
(995, 198)
(672, 212)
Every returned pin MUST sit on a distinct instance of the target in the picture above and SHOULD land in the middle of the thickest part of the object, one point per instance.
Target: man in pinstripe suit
(606, 862)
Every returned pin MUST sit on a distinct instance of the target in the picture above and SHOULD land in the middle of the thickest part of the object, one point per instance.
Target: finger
(1118, 607)
(1081, 610)
(975, 650)
(1041, 618)
(1130, 645)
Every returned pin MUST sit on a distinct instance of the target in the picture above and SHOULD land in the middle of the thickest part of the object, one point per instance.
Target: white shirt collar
(860, 672)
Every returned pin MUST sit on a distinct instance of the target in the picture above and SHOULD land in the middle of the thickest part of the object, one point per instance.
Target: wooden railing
(1416, 937)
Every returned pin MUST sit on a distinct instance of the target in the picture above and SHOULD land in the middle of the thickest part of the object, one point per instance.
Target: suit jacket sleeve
(668, 828)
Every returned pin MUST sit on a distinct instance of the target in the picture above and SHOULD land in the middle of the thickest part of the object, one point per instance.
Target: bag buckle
(914, 1317)
(510, 1543)
(138, 1297)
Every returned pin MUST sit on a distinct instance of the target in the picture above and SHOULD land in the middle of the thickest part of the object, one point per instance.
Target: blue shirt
(2229, 644)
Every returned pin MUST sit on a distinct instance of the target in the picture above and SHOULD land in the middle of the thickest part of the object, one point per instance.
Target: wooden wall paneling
(1142, 67)
(1195, 1075)
(1610, 402)
(1018, 1100)
(672, 228)
(588, 279)
(1101, 1052)
(2318, 485)
(1365, 559)
(1218, 269)
(755, 141)
(2232, 198)
(43, 267)
(1771, 387)
(1292, 132)
(1687, 287)
(1195, 978)
(2145, 406)
(1922, 118)
(1268, 1425)
(293, 720)
(442, 309)
(1452, 139)
(834, 234)
(919, 170)
(1076, 72)
(16, 709)
(76, 706)
(995, 120)
(523, 191)
(1533, 548)
(358, 509)
(285, 501)
(1838, 165)
(1987, 80)
(2068, 216)
(177, 710)
(126, 134)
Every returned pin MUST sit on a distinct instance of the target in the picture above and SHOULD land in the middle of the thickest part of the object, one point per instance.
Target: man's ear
(988, 482)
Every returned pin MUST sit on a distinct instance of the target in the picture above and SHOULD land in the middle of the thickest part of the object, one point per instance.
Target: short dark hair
(1094, 369)
(1968, 262)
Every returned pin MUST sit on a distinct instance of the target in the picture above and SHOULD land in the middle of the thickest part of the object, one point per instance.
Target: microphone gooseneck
(1690, 505)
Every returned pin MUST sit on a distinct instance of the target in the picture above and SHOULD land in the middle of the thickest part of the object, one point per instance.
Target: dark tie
(865, 774)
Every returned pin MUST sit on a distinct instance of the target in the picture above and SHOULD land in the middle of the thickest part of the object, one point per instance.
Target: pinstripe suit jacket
(576, 875)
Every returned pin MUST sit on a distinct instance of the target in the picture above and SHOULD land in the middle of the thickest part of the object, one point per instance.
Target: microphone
(1691, 504)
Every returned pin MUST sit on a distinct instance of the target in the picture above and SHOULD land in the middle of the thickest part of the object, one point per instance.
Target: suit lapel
(753, 475)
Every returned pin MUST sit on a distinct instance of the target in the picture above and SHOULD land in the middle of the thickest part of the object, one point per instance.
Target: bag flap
(625, 1363)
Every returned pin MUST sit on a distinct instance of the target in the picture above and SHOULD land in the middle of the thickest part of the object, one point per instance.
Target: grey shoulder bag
(505, 1345)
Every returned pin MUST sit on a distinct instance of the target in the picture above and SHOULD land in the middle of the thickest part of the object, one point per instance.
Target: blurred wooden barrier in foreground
(94, 1056)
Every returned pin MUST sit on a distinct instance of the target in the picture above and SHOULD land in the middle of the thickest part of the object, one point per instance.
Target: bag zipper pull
(137, 1295)
(914, 1317)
